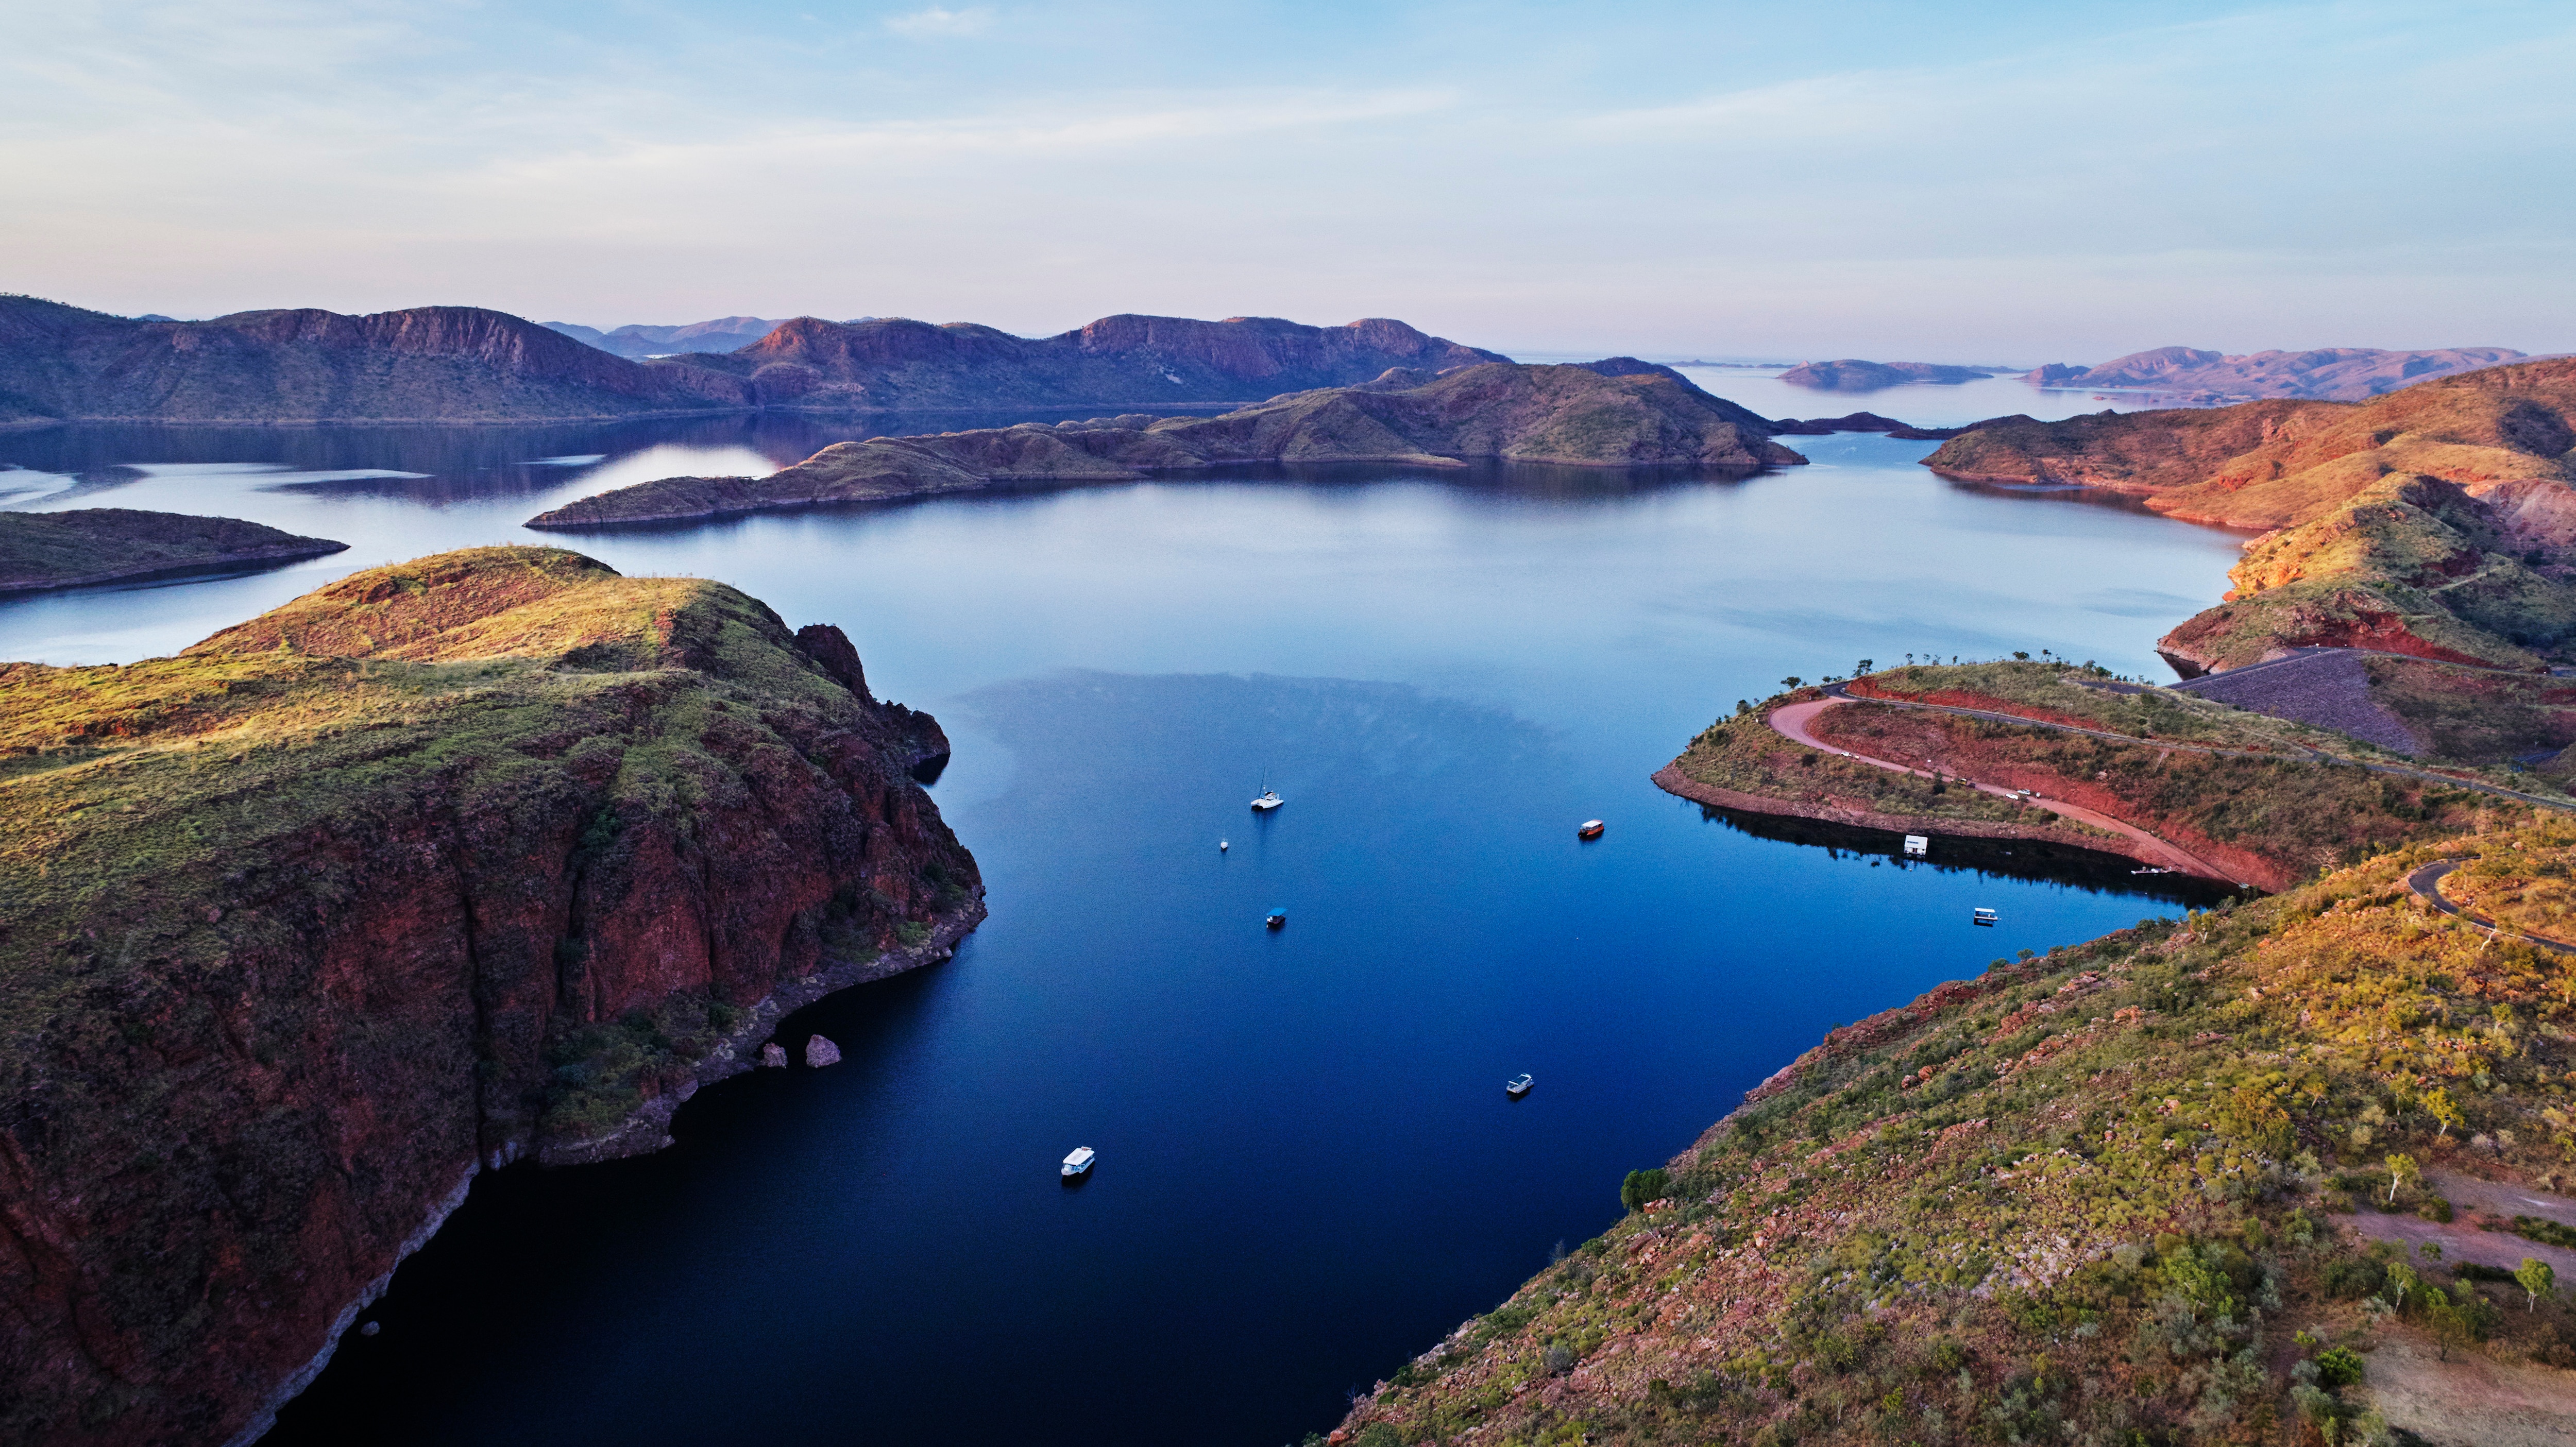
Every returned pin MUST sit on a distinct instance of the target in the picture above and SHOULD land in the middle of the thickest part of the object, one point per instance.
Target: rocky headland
(1503, 410)
(83, 546)
(2346, 374)
(1850, 374)
(487, 856)
(640, 341)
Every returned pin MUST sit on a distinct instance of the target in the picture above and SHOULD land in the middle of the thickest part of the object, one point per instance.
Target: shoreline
(247, 559)
(645, 1131)
(1673, 781)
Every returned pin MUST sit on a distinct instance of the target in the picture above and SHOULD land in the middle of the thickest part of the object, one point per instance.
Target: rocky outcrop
(487, 856)
(423, 364)
(43, 550)
(1850, 374)
(1561, 414)
(2344, 374)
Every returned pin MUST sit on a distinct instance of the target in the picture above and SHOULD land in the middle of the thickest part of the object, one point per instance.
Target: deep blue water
(1309, 1170)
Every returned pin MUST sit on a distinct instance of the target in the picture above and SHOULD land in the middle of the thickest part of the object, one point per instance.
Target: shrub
(2434, 1209)
(1643, 1186)
(2339, 1367)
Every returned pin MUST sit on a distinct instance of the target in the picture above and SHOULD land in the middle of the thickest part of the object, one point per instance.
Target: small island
(1850, 374)
(87, 546)
(1566, 415)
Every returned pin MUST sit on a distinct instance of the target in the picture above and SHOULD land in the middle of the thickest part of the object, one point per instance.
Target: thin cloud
(939, 22)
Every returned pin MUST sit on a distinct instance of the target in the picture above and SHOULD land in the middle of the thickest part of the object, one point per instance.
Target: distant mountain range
(723, 334)
(465, 364)
(2334, 374)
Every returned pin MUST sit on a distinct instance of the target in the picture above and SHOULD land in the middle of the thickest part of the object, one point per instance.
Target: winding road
(1791, 722)
(2426, 881)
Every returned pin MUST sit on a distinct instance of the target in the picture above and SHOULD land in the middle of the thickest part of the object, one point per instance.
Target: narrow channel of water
(1309, 1169)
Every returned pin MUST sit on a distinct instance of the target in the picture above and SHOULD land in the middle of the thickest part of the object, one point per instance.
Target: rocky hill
(2288, 1172)
(40, 550)
(1853, 375)
(890, 364)
(2413, 565)
(2347, 374)
(1559, 414)
(2280, 463)
(490, 855)
(424, 364)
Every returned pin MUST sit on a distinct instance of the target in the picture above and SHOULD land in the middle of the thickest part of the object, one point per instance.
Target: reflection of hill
(2003, 858)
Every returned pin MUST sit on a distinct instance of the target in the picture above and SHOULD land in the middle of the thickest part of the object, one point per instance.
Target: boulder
(820, 1052)
(773, 1056)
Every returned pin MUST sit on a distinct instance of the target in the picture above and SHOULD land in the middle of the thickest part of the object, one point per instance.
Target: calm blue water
(1309, 1170)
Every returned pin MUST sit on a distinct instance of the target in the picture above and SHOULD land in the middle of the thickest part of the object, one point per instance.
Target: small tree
(1792, 681)
(2449, 1325)
(2537, 1280)
(2401, 1170)
(2401, 1280)
(1644, 1186)
(1864, 666)
(2444, 1110)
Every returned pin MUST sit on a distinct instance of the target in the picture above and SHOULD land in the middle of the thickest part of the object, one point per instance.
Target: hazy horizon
(2008, 183)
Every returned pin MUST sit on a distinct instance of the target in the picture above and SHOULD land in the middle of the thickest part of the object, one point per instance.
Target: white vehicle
(1079, 1163)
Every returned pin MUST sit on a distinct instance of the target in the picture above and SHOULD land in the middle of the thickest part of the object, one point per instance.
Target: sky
(2002, 181)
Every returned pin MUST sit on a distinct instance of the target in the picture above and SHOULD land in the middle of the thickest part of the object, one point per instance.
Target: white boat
(1984, 916)
(1080, 1161)
(1268, 801)
(1517, 1086)
(1591, 829)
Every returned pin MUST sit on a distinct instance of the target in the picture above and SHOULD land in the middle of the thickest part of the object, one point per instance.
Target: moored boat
(1517, 1086)
(1591, 829)
(1079, 1162)
(1268, 801)
(1276, 918)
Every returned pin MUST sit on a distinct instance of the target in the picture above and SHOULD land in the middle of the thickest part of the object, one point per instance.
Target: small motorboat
(1591, 829)
(1222, 846)
(1268, 801)
(1276, 919)
(1517, 1086)
(1984, 916)
(1079, 1163)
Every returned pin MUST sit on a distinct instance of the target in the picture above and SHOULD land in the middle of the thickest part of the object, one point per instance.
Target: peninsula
(84, 546)
(488, 855)
(1571, 415)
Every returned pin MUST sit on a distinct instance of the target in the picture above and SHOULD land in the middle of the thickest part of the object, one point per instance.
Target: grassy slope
(147, 800)
(2088, 1197)
(84, 545)
(2409, 564)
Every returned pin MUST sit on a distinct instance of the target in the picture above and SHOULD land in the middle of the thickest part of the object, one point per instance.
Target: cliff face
(423, 364)
(892, 364)
(2281, 463)
(1571, 415)
(40, 550)
(487, 855)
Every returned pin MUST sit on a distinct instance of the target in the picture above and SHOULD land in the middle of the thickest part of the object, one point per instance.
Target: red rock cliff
(489, 855)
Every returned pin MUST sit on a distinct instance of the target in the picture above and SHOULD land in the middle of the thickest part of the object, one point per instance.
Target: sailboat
(1269, 798)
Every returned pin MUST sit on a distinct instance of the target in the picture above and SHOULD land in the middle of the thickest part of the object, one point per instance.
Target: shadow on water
(2039, 860)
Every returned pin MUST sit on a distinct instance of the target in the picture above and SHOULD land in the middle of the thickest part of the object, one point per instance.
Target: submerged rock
(820, 1052)
(773, 1056)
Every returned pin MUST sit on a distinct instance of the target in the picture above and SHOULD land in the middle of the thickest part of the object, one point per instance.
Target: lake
(1309, 1170)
